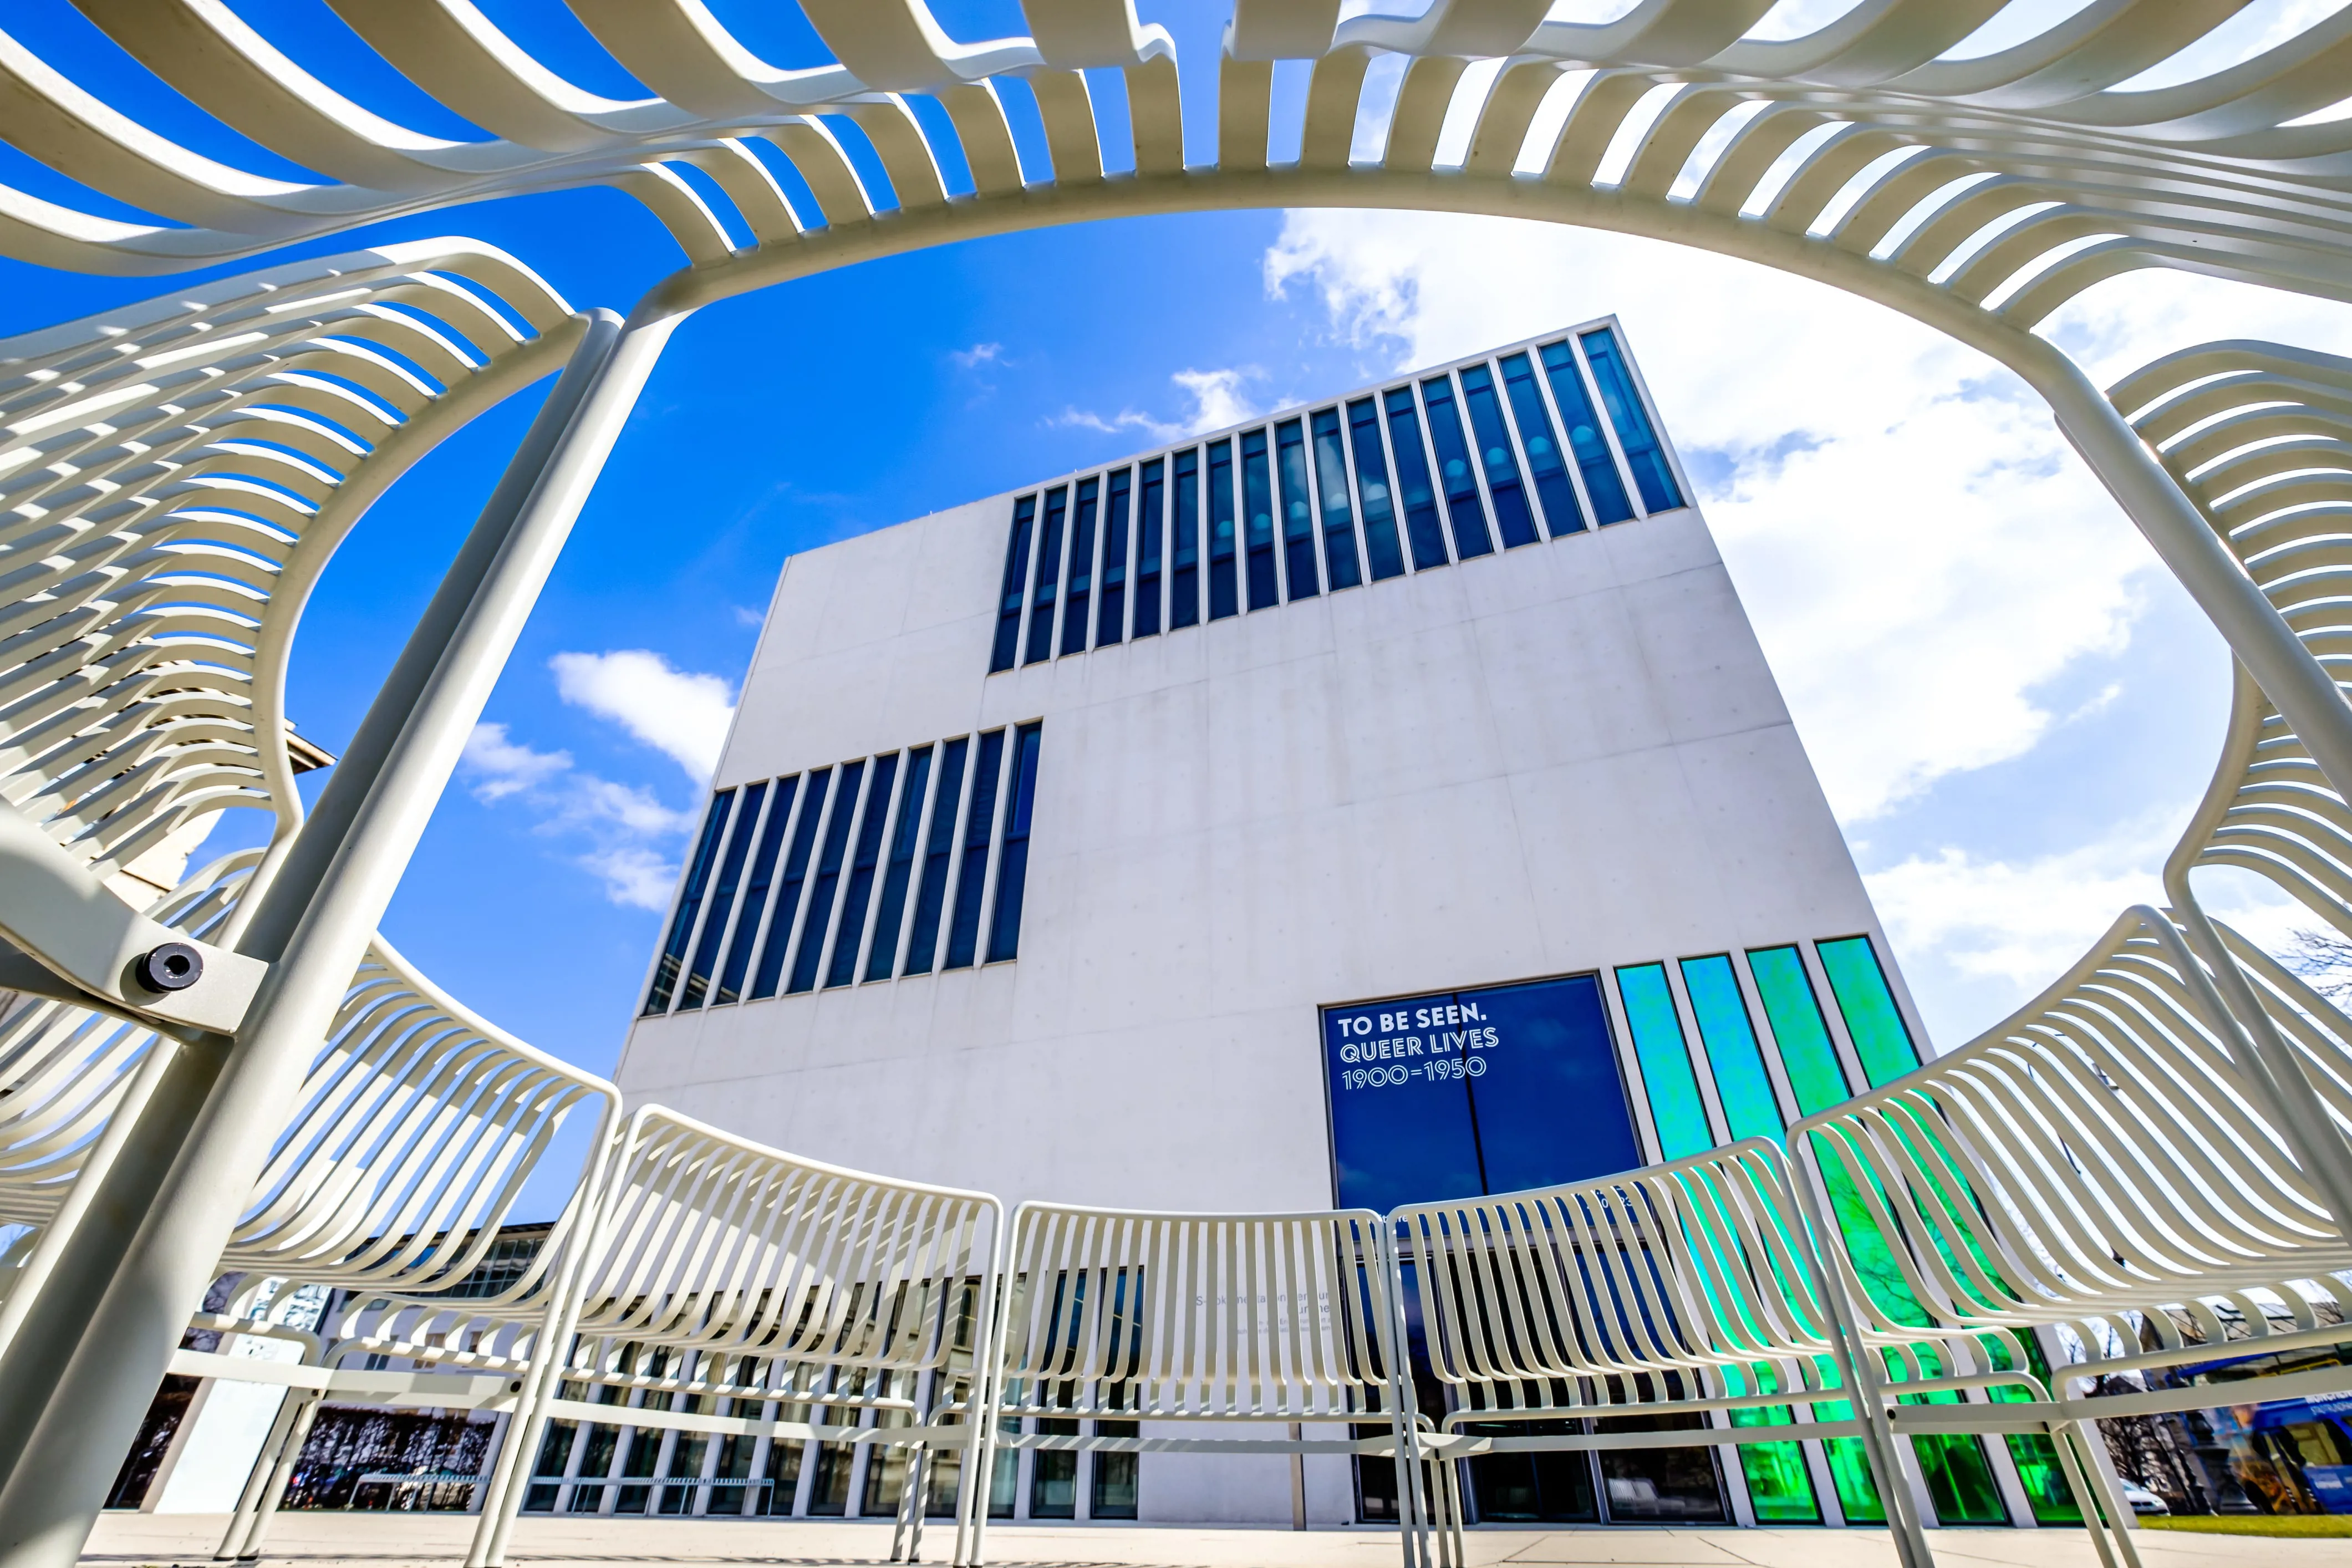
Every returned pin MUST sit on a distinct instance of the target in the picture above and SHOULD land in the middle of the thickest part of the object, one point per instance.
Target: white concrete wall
(1558, 759)
(1561, 758)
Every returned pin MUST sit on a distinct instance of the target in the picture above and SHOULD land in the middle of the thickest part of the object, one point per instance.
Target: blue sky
(2012, 710)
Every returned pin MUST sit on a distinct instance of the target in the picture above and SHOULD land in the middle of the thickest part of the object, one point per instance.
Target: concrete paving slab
(434, 1540)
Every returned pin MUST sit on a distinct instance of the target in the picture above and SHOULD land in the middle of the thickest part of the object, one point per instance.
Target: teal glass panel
(1740, 1080)
(1658, 1046)
(1881, 1038)
(1807, 1053)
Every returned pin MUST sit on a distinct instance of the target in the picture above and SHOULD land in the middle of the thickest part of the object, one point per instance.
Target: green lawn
(2304, 1524)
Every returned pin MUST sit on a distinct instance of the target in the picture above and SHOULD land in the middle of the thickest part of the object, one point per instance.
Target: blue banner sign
(1461, 1093)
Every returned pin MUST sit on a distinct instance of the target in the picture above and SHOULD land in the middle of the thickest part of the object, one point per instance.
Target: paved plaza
(394, 1540)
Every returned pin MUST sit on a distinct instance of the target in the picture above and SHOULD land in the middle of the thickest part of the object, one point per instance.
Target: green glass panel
(1740, 1077)
(1881, 1038)
(1959, 1476)
(1807, 1053)
(1665, 1061)
(1778, 1488)
(2036, 1458)
(1850, 1471)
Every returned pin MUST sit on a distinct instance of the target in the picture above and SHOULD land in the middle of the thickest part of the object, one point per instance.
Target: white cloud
(636, 878)
(2021, 921)
(1215, 396)
(977, 355)
(621, 823)
(681, 714)
(502, 767)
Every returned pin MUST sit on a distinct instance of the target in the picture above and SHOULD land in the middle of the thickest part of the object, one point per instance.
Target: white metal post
(53, 1494)
(125, 1171)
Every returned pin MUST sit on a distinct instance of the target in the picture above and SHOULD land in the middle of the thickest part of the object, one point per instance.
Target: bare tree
(2323, 959)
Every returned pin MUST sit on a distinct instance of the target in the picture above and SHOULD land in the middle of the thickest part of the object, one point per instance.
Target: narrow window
(1110, 622)
(755, 896)
(889, 917)
(1740, 1079)
(1147, 552)
(1257, 519)
(1658, 1044)
(1462, 507)
(1807, 1055)
(863, 861)
(689, 904)
(810, 951)
(769, 970)
(1012, 860)
(1544, 460)
(1016, 573)
(938, 856)
(1642, 454)
(1603, 483)
(963, 929)
(1049, 567)
(1297, 510)
(1510, 497)
(1881, 1038)
(722, 897)
(1339, 563)
(1224, 596)
(1414, 489)
(1372, 484)
(1079, 592)
(1185, 546)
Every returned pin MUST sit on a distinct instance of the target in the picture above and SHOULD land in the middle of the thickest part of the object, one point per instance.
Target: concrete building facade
(1384, 799)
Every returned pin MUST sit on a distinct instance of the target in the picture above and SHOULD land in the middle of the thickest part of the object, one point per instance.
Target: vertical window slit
(1077, 591)
(769, 970)
(863, 863)
(1016, 573)
(971, 877)
(889, 915)
(755, 895)
(722, 897)
(1012, 860)
(828, 880)
(939, 855)
(689, 904)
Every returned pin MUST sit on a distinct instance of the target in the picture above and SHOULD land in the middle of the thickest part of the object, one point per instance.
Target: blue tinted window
(1147, 552)
(1415, 490)
(889, 915)
(1110, 621)
(1642, 454)
(755, 895)
(1544, 458)
(1224, 593)
(1016, 574)
(1078, 590)
(864, 862)
(1012, 860)
(1399, 1133)
(1461, 486)
(689, 903)
(1502, 468)
(1185, 546)
(1550, 1064)
(963, 929)
(1463, 1093)
(1257, 520)
(1603, 483)
(722, 897)
(1741, 1082)
(1298, 511)
(1676, 1108)
(1339, 563)
(769, 970)
(1049, 568)
(939, 858)
(828, 880)
(1372, 486)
